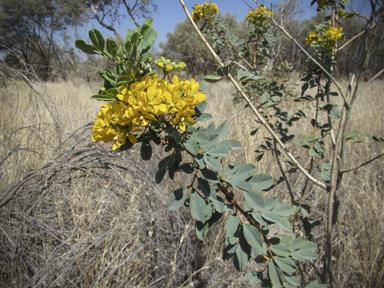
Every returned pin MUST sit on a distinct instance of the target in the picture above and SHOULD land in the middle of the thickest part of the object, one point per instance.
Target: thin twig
(362, 164)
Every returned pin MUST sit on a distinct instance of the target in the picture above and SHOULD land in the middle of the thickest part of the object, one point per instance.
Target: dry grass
(76, 214)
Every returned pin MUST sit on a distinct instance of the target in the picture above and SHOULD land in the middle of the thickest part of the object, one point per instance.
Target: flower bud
(168, 68)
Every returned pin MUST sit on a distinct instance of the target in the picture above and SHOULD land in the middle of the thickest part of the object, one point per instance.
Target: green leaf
(147, 24)
(231, 225)
(283, 223)
(207, 189)
(201, 229)
(212, 78)
(191, 146)
(112, 47)
(97, 39)
(244, 172)
(307, 139)
(283, 210)
(160, 174)
(222, 130)
(270, 217)
(303, 255)
(212, 162)
(108, 75)
(240, 258)
(253, 236)
(177, 199)
(203, 117)
(154, 136)
(352, 135)
(255, 200)
(218, 151)
(280, 250)
(210, 175)
(85, 47)
(234, 145)
(245, 186)
(103, 97)
(146, 150)
(275, 275)
(252, 278)
(197, 206)
(261, 181)
(292, 280)
(335, 114)
(186, 168)
(201, 107)
(286, 264)
(203, 86)
(149, 40)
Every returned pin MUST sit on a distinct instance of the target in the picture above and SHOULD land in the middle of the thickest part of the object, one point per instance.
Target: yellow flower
(312, 37)
(205, 10)
(258, 16)
(334, 35)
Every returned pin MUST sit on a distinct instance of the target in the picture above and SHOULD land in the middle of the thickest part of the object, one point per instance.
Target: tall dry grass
(76, 214)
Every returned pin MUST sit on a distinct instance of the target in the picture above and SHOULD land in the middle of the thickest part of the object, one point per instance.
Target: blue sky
(171, 12)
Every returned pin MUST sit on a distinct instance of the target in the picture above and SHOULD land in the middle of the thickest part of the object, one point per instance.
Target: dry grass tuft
(76, 214)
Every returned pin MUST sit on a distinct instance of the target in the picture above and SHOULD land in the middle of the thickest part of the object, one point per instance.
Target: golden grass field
(76, 214)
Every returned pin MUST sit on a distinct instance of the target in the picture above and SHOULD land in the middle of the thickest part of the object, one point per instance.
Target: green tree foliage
(184, 45)
(30, 27)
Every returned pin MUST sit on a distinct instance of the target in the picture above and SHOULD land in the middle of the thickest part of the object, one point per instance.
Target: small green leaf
(147, 24)
(210, 175)
(186, 168)
(293, 280)
(231, 225)
(280, 250)
(212, 78)
(149, 40)
(245, 186)
(203, 117)
(212, 162)
(275, 275)
(253, 236)
(191, 146)
(201, 229)
(146, 150)
(207, 189)
(85, 47)
(112, 47)
(222, 130)
(97, 39)
(240, 258)
(197, 206)
(261, 181)
(177, 199)
(154, 136)
(255, 200)
(286, 264)
(244, 172)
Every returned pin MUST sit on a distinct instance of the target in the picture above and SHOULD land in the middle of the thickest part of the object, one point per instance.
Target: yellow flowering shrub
(258, 16)
(204, 10)
(330, 37)
(143, 102)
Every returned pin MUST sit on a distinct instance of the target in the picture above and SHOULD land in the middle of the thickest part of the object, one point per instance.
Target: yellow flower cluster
(331, 36)
(168, 66)
(150, 99)
(312, 37)
(204, 10)
(257, 17)
(334, 35)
